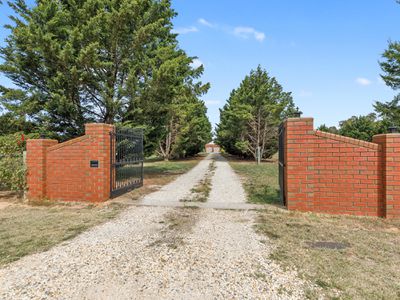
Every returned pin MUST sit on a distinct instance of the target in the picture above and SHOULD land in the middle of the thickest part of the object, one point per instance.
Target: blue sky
(325, 52)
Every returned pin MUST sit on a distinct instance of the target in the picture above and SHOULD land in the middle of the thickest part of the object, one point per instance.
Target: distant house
(212, 148)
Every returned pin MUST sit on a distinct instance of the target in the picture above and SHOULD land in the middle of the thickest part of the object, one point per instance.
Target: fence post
(99, 178)
(299, 173)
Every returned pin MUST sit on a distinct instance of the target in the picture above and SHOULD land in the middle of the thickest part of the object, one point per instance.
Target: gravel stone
(151, 252)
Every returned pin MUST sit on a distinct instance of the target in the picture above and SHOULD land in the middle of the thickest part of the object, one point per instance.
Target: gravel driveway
(158, 252)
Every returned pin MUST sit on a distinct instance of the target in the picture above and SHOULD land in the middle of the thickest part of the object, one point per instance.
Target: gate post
(299, 173)
(390, 172)
(98, 179)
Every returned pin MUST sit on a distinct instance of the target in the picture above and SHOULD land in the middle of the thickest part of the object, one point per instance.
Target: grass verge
(259, 181)
(364, 264)
(26, 229)
(345, 257)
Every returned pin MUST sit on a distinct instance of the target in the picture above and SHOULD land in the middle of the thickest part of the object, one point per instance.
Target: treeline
(111, 61)
(250, 119)
(385, 117)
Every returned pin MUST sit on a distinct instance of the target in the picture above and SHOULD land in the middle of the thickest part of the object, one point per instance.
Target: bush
(12, 167)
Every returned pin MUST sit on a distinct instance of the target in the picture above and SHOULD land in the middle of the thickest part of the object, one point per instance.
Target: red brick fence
(87, 168)
(62, 171)
(329, 173)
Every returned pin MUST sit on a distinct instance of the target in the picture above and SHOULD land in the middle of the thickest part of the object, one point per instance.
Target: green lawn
(260, 181)
(169, 167)
(368, 266)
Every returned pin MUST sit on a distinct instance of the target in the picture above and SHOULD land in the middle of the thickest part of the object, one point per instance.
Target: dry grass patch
(26, 229)
(201, 191)
(177, 224)
(346, 257)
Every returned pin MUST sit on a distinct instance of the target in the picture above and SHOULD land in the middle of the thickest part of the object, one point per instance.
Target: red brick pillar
(299, 172)
(98, 179)
(390, 164)
(36, 167)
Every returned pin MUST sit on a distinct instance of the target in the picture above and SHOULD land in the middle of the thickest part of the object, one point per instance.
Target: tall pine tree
(74, 62)
(251, 117)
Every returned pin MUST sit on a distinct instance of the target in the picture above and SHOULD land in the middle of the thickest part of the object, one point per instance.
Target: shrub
(12, 167)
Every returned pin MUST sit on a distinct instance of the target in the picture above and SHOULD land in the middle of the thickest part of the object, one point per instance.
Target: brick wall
(63, 172)
(334, 174)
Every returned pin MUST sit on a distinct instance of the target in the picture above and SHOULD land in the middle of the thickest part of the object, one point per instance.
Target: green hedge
(12, 167)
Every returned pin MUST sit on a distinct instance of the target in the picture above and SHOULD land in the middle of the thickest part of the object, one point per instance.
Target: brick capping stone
(346, 139)
(333, 174)
(68, 143)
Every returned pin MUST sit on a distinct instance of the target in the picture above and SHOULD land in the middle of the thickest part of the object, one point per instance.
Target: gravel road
(158, 252)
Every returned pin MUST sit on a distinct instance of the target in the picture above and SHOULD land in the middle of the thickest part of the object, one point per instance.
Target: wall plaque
(94, 163)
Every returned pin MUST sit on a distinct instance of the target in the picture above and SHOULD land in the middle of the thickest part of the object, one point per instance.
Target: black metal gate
(282, 183)
(126, 160)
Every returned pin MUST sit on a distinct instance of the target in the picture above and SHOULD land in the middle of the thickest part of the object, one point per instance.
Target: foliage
(74, 62)
(362, 127)
(389, 112)
(11, 123)
(195, 130)
(252, 114)
(391, 65)
(331, 129)
(12, 169)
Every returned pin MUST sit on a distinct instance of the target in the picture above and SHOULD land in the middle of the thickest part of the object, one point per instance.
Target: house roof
(212, 144)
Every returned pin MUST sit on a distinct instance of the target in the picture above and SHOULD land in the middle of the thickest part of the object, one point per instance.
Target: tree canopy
(361, 127)
(111, 61)
(252, 114)
(389, 112)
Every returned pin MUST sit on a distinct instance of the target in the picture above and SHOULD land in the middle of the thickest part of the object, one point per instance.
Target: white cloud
(246, 32)
(184, 30)
(363, 81)
(212, 102)
(304, 94)
(196, 63)
(205, 23)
